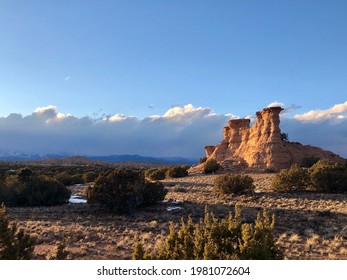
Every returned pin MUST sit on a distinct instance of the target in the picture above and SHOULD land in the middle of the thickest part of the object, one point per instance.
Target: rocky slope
(261, 146)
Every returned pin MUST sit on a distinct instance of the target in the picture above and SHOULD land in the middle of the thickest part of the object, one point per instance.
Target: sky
(162, 78)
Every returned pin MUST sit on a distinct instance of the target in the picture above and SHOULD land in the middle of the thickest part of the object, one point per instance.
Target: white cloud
(181, 131)
(335, 113)
(119, 118)
(48, 114)
(251, 118)
(275, 104)
(187, 113)
(43, 110)
(326, 134)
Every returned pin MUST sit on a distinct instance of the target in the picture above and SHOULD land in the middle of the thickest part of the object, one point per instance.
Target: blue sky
(142, 58)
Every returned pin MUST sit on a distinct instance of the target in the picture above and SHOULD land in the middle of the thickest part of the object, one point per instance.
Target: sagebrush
(293, 179)
(156, 173)
(177, 171)
(234, 184)
(213, 239)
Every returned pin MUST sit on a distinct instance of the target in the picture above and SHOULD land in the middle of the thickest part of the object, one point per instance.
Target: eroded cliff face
(261, 146)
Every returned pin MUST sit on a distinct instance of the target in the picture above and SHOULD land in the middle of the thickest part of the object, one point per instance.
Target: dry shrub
(211, 166)
(68, 179)
(89, 176)
(329, 177)
(177, 171)
(234, 184)
(293, 179)
(212, 238)
(156, 173)
(323, 176)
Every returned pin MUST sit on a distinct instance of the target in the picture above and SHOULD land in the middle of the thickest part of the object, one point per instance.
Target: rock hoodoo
(261, 146)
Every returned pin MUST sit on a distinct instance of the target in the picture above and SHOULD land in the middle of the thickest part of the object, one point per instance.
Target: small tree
(284, 137)
(211, 166)
(89, 176)
(121, 191)
(156, 173)
(258, 240)
(65, 178)
(27, 188)
(152, 193)
(60, 252)
(212, 238)
(234, 184)
(177, 171)
(25, 174)
(293, 179)
(14, 243)
(329, 177)
(139, 252)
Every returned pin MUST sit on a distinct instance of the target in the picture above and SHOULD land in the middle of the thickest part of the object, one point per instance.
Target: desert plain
(309, 225)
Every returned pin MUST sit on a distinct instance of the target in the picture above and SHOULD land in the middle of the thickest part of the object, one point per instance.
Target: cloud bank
(323, 128)
(181, 131)
(335, 113)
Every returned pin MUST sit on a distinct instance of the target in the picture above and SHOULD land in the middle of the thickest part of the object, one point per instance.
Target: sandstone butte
(261, 146)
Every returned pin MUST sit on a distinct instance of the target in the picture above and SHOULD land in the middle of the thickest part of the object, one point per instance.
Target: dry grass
(308, 225)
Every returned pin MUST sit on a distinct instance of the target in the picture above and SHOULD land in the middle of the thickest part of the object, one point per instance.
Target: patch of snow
(169, 209)
(77, 199)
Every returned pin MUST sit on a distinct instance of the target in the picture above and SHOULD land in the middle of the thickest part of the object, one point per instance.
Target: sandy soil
(308, 225)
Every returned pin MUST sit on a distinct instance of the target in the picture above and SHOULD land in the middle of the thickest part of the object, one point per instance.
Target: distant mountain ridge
(109, 158)
(138, 158)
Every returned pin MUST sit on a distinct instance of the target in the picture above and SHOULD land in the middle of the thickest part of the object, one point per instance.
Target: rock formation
(261, 146)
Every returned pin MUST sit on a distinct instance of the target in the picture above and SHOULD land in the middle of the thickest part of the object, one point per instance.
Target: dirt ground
(309, 225)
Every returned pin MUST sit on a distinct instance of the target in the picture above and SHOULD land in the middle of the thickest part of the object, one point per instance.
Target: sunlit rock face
(260, 146)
